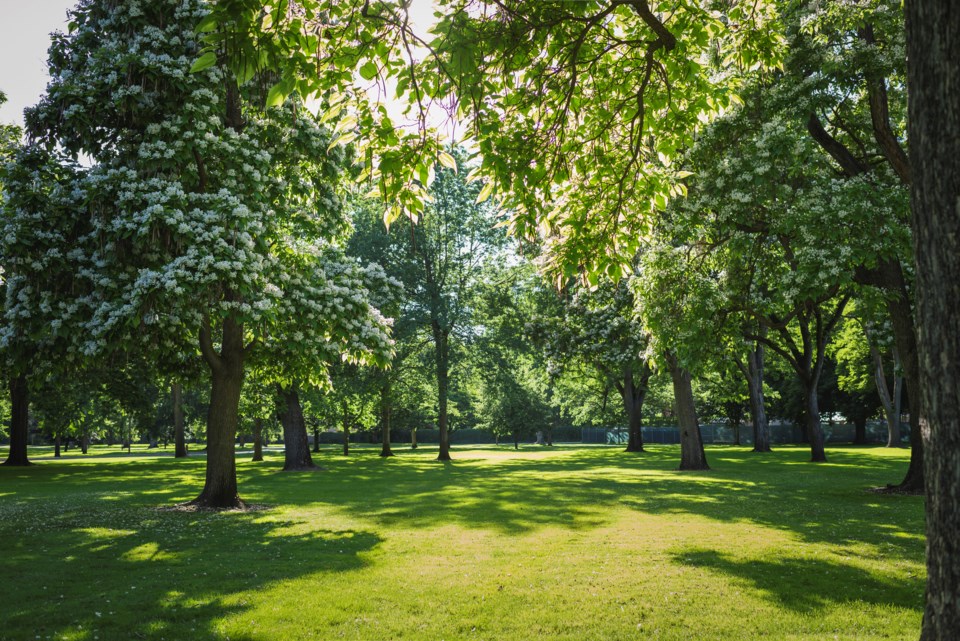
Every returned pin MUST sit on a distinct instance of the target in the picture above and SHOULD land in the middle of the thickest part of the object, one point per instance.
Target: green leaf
(343, 139)
(205, 61)
(485, 192)
(447, 160)
(276, 95)
(368, 71)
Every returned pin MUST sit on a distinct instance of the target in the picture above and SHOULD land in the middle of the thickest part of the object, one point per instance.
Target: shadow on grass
(143, 573)
(797, 583)
(187, 570)
(574, 487)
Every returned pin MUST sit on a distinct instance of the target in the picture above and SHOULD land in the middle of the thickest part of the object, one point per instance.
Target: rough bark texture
(296, 445)
(257, 439)
(933, 49)
(19, 424)
(226, 368)
(633, 392)
(385, 449)
(692, 456)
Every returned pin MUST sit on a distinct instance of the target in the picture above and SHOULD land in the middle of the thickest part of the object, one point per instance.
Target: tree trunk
(550, 436)
(692, 455)
(633, 396)
(346, 430)
(316, 435)
(385, 449)
(905, 338)
(56, 445)
(226, 368)
(814, 432)
(443, 371)
(736, 433)
(880, 379)
(413, 438)
(758, 413)
(516, 440)
(296, 445)
(257, 439)
(19, 422)
(84, 443)
(860, 430)
(933, 49)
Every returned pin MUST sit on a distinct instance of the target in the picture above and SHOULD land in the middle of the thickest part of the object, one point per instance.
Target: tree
(215, 225)
(600, 329)
(450, 244)
(933, 47)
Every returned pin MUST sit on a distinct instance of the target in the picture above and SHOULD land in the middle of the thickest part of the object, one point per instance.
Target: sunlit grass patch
(564, 543)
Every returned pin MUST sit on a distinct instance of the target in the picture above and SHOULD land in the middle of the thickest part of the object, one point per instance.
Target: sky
(25, 27)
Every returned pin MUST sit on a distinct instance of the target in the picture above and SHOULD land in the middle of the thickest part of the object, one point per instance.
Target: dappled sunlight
(498, 542)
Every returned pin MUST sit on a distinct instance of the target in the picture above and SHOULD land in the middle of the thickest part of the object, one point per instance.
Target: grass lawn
(575, 543)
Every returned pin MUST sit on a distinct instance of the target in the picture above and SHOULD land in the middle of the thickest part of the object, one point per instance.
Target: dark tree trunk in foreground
(441, 343)
(19, 424)
(296, 445)
(633, 393)
(692, 455)
(226, 369)
(413, 438)
(933, 49)
(257, 439)
(179, 429)
(56, 446)
(84, 444)
(385, 449)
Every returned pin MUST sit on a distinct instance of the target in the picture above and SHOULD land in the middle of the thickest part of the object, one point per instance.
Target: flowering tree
(599, 329)
(214, 226)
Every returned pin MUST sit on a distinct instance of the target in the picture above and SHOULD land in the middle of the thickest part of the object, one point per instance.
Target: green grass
(574, 543)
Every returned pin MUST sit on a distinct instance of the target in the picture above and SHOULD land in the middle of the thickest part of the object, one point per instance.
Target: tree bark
(442, 348)
(19, 422)
(692, 455)
(860, 430)
(516, 440)
(257, 439)
(758, 412)
(933, 49)
(633, 394)
(814, 433)
(316, 436)
(413, 438)
(296, 445)
(56, 445)
(886, 399)
(385, 449)
(226, 368)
